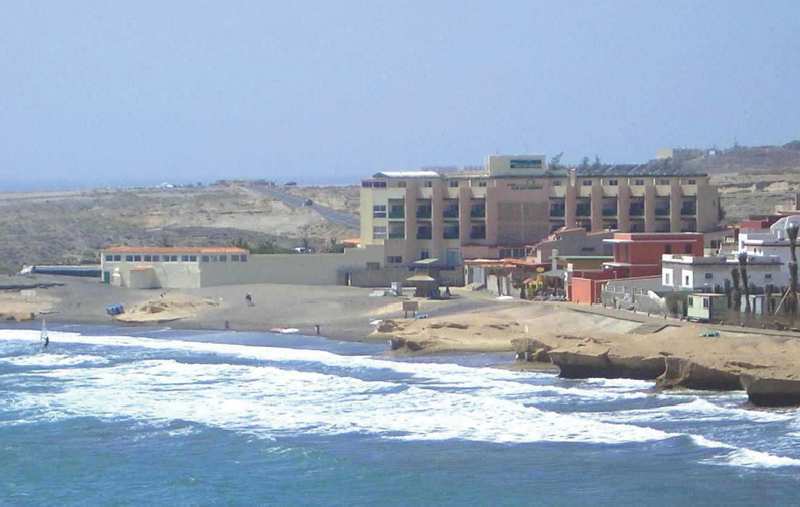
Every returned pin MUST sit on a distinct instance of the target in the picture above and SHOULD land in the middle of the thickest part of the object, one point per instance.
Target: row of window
(426, 184)
(450, 209)
(609, 207)
(176, 258)
(425, 231)
(586, 182)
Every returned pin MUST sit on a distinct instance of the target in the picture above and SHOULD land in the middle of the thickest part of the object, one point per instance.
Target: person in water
(46, 340)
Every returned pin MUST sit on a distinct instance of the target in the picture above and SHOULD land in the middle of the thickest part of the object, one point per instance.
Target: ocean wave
(45, 360)
(269, 401)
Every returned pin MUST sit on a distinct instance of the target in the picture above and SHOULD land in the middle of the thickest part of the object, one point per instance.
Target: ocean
(121, 416)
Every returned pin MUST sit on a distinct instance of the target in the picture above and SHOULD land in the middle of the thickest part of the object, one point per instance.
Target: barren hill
(70, 227)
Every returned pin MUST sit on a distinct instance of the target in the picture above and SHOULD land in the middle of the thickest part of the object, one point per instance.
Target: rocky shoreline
(666, 371)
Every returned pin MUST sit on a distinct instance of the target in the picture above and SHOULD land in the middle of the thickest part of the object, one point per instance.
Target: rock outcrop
(604, 365)
(531, 350)
(771, 392)
(686, 373)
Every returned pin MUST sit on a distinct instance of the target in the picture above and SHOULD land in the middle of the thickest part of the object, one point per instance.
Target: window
(609, 206)
(205, 258)
(223, 258)
(398, 184)
(612, 183)
(397, 230)
(137, 258)
(147, 258)
(705, 302)
(243, 258)
(451, 230)
(556, 183)
(379, 232)
(768, 276)
(397, 208)
(478, 208)
(109, 258)
(156, 258)
(184, 258)
(586, 183)
(373, 266)
(482, 183)
(557, 207)
(234, 258)
(424, 208)
(686, 281)
(638, 182)
(129, 258)
(691, 181)
(663, 181)
(117, 258)
(477, 231)
(428, 184)
(379, 211)
(424, 230)
(667, 277)
(583, 207)
(709, 276)
(424, 254)
(394, 259)
(452, 183)
(193, 258)
(450, 208)
(662, 206)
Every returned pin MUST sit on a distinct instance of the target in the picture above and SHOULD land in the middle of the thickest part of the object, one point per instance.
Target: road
(334, 216)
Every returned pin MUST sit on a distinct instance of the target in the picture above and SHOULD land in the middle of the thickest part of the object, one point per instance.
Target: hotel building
(518, 200)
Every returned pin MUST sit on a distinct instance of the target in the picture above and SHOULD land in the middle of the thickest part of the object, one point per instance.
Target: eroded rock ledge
(768, 392)
(691, 375)
(605, 365)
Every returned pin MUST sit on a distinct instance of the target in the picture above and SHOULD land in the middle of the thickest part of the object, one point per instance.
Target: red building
(639, 254)
(636, 254)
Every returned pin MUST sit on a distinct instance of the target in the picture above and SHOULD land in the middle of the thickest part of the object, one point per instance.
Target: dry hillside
(69, 227)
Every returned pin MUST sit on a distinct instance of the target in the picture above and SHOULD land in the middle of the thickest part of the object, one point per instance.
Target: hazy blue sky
(332, 91)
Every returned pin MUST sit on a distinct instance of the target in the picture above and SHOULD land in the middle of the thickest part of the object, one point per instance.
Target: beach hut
(706, 307)
(425, 285)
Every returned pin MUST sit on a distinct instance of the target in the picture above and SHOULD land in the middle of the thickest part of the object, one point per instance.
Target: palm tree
(736, 295)
(791, 232)
(743, 271)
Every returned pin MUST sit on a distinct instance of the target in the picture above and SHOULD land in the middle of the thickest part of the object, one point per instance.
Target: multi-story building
(518, 200)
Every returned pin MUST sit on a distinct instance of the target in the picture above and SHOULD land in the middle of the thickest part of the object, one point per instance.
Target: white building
(707, 274)
(193, 267)
(770, 242)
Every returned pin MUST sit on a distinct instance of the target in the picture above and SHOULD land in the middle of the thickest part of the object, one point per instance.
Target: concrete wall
(297, 269)
(175, 275)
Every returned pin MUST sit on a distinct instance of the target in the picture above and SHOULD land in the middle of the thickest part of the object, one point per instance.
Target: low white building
(707, 274)
(772, 242)
(194, 267)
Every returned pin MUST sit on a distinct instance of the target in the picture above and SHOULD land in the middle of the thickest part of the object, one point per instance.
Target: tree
(597, 163)
(743, 271)
(585, 163)
(555, 162)
(791, 232)
(736, 295)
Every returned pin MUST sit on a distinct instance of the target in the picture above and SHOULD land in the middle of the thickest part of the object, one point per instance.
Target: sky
(119, 93)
